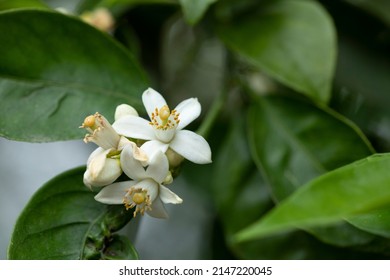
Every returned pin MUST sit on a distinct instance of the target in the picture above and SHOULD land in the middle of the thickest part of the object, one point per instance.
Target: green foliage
(63, 221)
(294, 141)
(352, 189)
(63, 71)
(15, 4)
(194, 10)
(292, 41)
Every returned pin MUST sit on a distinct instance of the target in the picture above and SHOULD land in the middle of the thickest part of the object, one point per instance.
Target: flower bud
(101, 18)
(124, 110)
(174, 158)
(101, 171)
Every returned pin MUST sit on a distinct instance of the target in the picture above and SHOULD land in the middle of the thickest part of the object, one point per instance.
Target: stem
(212, 114)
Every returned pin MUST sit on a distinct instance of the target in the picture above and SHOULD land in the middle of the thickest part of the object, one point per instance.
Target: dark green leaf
(190, 60)
(242, 197)
(237, 183)
(294, 141)
(120, 248)
(194, 10)
(292, 41)
(297, 245)
(379, 8)
(63, 71)
(117, 6)
(363, 85)
(63, 221)
(355, 188)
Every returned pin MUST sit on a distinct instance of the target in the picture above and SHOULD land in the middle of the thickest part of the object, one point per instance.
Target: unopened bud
(124, 110)
(174, 158)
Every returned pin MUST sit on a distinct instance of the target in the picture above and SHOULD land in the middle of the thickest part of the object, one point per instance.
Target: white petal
(95, 153)
(153, 146)
(165, 135)
(132, 167)
(101, 170)
(125, 110)
(158, 210)
(114, 193)
(191, 146)
(158, 167)
(152, 100)
(168, 196)
(189, 110)
(134, 127)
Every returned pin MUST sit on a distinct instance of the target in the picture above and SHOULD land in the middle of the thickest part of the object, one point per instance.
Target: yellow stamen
(139, 198)
(164, 113)
(89, 121)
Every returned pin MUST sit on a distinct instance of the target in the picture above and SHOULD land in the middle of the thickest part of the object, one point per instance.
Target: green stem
(212, 114)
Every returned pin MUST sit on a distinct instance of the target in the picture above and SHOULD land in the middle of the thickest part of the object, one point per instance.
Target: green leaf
(294, 141)
(63, 221)
(377, 221)
(120, 248)
(292, 41)
(194, 10)
(352, 189)
(242, 197)
(15, 4)
(117, 5)
(191, 59)
(237, 184)
(63, 71)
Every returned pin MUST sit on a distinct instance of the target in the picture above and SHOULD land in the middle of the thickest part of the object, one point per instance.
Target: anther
(164, 113)
(138, 198)
(89, 121)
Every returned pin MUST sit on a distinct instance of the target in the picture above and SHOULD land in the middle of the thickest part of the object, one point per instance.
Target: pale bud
(101, 170)
(101, 18)
(174, 158)
(124, 110)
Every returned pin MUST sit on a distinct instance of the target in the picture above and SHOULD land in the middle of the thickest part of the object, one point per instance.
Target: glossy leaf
(292, 41)
(63, 221)
(237, 184)
(242, 197)
(191, 59)
(377, 221)
(63, 71)
(15, 4)
(194, 10)
(355, 188)
(294, 141)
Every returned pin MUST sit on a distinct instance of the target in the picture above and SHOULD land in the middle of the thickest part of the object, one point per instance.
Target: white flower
(103, 165)
(100, 132)
(145, 192)
(165, 128)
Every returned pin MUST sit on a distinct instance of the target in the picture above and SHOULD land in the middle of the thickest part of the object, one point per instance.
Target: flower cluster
(147, 151)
